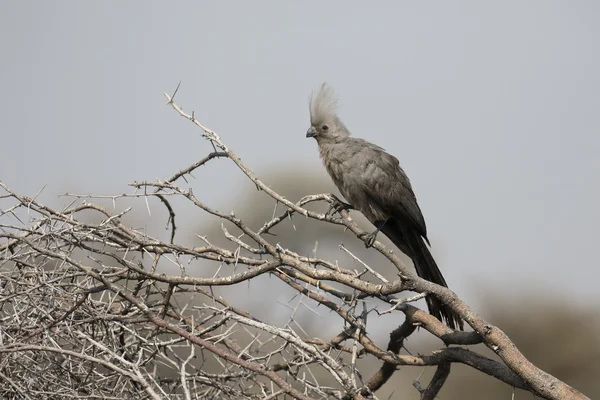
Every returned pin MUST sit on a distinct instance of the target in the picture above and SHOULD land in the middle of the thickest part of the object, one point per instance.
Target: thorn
(176, 90)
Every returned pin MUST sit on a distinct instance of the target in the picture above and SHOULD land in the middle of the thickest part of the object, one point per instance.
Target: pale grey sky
(492, 109)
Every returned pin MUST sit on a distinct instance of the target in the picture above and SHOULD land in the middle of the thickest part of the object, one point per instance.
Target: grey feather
(373, 182)
(323, 104)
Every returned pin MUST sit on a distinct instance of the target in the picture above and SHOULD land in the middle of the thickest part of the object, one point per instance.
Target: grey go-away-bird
(373, 183)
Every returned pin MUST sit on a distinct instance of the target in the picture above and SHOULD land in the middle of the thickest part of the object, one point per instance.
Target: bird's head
(324, 123)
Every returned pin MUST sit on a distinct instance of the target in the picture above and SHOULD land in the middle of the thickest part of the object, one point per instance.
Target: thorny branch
(100, 309)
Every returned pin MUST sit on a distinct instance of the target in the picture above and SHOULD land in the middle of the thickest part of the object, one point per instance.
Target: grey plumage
(373, 182)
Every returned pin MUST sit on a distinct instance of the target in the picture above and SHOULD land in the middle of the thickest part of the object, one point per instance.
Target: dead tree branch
(100, 309)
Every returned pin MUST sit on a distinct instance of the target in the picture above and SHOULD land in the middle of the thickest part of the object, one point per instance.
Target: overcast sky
(492, 108)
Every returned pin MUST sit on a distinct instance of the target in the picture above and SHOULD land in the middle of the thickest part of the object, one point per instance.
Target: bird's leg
(337, 205)
(369, 238)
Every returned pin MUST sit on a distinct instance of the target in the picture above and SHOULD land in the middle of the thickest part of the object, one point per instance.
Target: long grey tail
(411, 244)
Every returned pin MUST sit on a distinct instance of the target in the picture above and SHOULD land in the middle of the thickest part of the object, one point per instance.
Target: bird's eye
(324, 127)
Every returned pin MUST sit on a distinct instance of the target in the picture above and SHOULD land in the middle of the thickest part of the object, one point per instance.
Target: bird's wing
(387, 185)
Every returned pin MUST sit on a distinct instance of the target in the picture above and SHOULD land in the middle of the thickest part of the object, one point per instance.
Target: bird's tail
(411, 243)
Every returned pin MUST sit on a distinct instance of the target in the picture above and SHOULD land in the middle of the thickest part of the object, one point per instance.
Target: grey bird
(373, 182)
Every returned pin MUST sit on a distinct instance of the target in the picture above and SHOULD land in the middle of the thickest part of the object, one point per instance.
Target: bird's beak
(311, 132)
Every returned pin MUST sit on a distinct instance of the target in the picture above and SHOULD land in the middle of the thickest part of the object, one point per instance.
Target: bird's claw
(369, 238)
(336, 205)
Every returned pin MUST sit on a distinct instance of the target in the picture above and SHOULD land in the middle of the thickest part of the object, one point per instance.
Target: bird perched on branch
(372, 181)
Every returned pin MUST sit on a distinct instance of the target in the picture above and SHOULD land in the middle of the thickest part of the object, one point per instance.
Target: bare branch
(91, 307)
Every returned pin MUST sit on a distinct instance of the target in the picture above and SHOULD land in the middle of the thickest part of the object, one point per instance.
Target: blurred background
(492, 110)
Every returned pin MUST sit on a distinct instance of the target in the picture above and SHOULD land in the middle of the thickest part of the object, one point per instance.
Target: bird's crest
(323, 104)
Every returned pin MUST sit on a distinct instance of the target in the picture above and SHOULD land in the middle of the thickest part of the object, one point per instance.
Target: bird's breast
(347, 175)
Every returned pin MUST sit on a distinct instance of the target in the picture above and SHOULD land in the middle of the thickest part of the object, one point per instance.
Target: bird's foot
(336, 205)
(369, 238)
